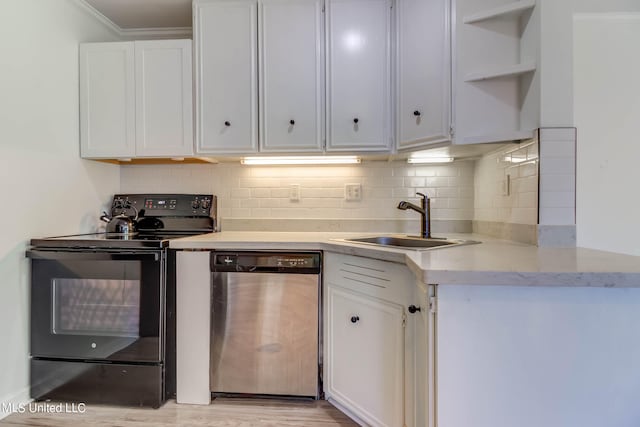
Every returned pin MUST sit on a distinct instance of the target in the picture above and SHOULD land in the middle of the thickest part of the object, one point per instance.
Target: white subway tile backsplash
(558, 149)
(440, 181)
(415, 182)
(557, 199)
(406, 171)
(249, 203)
(448, 192)
(492, 201)
(557, 176)
(263, 192)
(260, 192)
(527, 200)
(558, 165)
(557, 216)
(560, 182)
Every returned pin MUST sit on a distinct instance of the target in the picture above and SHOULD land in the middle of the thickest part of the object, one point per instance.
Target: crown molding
(132, 33)
(82, 4)
(175, 32)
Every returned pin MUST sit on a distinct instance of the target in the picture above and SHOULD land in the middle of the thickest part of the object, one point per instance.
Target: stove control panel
(175, 205)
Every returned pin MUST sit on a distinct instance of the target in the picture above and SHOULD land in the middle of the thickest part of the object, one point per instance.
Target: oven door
(97, 305)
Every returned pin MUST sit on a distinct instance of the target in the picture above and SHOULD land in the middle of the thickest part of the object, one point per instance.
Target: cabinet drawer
(380, 279)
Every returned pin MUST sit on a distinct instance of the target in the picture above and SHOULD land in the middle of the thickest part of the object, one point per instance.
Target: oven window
(96, 307)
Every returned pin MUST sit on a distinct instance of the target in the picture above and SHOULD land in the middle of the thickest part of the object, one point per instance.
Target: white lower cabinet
(365, 366)
(368, 344)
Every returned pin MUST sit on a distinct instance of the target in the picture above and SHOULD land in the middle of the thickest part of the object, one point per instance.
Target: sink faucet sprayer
(424, 211)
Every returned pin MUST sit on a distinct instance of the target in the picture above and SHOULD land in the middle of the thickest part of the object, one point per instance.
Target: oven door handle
(93, 256)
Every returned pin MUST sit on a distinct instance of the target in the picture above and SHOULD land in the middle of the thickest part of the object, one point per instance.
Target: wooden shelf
(499, 137)
(496, 73)
(512, 9)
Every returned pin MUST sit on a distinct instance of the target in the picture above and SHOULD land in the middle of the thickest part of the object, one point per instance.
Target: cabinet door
(291, 75)
(365, 348)
(164, 121)
(225, 33)
(107, 100)
(358, 71)
(423, 73)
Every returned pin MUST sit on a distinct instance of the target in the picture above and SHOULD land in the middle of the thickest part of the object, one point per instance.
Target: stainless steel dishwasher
(265, 323)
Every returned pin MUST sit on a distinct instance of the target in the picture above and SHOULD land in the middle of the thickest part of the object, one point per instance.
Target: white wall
(607, 115)
(581, 72)
(46, 188)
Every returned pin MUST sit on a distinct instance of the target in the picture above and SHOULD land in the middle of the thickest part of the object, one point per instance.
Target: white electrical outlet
(353, 191)
(294, 192)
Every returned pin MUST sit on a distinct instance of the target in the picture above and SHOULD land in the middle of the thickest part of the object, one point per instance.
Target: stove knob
(205, 204)
(195, 204)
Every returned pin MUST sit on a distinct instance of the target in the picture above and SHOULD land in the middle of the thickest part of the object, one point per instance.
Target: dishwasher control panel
(282, 262)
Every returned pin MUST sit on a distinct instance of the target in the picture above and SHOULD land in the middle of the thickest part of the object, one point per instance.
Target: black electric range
(103, 304)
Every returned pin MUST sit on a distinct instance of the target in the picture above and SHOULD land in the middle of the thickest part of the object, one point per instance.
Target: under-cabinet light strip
(430, 160)
(300, 160)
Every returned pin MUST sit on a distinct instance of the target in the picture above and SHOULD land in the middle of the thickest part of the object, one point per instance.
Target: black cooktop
(162, 217)
(111, 240)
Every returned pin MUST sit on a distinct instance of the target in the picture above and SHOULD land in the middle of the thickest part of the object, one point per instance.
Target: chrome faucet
(424, 211)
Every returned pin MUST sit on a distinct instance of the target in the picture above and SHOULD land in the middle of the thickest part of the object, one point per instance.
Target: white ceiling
(129, 14)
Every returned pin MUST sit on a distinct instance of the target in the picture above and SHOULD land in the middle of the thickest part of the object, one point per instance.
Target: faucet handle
(424, 196)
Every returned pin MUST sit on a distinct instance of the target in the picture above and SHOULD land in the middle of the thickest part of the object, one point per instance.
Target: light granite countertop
(492, 262)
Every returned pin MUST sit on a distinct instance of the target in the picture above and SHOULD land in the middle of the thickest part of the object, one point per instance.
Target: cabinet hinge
(323, 7)
(404, 320)
(452, 131)
(433, 307)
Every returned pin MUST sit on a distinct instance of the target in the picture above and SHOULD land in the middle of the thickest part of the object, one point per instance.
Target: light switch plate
(353, 191)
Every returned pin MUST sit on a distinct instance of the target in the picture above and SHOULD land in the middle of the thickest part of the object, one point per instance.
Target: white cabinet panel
(358, 71)
(164, 122)
(225, 34)
(291, 75)
(423, 73)
(365, 348)
(193, 318)
(107, 100)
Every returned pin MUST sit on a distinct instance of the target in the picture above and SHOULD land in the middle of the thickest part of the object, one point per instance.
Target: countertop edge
(430, 275)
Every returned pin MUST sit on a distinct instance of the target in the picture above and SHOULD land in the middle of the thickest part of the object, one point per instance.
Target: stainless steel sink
(409, 242)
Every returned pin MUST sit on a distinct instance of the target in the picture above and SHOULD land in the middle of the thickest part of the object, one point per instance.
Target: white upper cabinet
(164, 106)
(497, 88)
(225, 33)
(291, 75)
(136, 99)
(358, 75)
(423, 70)
(107, 100)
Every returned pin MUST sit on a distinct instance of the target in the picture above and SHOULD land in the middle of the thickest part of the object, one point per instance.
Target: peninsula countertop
(492, 262)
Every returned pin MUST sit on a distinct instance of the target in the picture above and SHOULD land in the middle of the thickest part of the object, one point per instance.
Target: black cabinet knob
(292, 122)
(354, 319)
(417, 113)
(356, 120)
(227, 123)
(413, 309)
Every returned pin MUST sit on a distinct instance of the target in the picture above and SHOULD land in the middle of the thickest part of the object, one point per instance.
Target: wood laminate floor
(221, 413)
